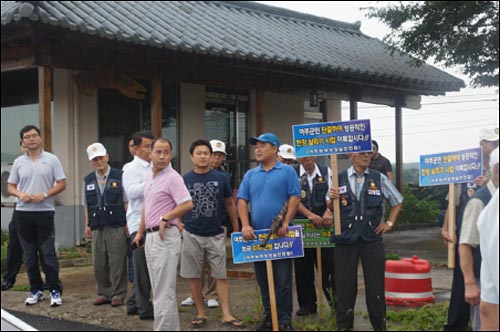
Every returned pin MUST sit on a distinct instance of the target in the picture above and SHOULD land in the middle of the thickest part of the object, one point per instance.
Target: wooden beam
(399, 147)
(259, 112)
(18, 64)
(44, 102)
(156, 108)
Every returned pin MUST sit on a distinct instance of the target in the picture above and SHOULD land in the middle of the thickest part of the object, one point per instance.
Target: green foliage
(418, 207)
(427, 318)
(392, 257)
(5, 242)
(455, 33)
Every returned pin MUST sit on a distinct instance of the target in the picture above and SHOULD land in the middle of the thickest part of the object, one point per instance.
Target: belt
(156, 229)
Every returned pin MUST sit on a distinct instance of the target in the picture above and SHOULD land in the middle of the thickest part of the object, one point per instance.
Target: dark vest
(485, 196)
(314, 201)
(360, 218)
(105, 210)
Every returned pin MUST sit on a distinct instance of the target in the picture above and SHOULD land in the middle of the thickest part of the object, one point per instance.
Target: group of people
(167, 218)
(475, 286)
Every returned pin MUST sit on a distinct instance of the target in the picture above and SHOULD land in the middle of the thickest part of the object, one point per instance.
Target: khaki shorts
(194, 250)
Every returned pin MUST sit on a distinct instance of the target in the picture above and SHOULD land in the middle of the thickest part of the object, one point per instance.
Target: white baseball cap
(218, 146)
(287, 151)
(493, 158)
(96, 150)
(488, 134)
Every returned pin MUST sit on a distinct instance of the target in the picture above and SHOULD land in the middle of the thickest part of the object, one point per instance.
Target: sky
(443, 124)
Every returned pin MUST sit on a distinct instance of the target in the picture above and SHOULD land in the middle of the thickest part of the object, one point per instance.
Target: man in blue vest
(315, 181)
(361, 193)
(105, 224)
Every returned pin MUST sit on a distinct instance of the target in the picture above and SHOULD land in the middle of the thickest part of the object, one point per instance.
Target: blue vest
(105, 210)
(484, 195)
(360, 218)
(314, 201)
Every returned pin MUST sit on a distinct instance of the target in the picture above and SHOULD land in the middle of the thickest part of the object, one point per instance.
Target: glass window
(226, 118)
(19, 108)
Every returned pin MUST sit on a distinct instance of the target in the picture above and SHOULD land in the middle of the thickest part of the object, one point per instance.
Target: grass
(430, 317)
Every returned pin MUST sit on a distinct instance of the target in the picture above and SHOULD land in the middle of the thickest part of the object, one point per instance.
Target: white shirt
(488, 238)
(134, 179)
(316, 172)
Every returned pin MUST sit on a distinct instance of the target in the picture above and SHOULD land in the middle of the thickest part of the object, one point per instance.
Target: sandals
(234, 323)
(198, 322)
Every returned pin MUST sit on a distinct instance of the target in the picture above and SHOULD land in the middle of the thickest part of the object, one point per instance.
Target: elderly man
(105, 223)
(362, 192)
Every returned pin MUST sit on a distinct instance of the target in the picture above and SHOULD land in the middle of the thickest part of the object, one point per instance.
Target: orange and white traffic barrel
(408, 282)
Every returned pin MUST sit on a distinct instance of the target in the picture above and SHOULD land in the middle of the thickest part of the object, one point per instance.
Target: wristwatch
(45, 195)
(389, 223)
(163, 219)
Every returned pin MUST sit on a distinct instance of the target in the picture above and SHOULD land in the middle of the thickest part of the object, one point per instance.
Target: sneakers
(212, 303)
(34, 297)
(7, 285)
(188, 302)
(55, 298)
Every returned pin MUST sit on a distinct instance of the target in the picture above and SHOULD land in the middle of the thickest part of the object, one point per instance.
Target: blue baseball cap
(266, 138)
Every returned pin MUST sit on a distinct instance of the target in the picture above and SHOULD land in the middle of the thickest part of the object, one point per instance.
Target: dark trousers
(282, 271)
(37, 235)
(346, 277)
(142, 285)
(14, 254)
(304, 277)
(458, 309)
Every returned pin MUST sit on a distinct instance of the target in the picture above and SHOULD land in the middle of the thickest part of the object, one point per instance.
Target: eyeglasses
(31, 136)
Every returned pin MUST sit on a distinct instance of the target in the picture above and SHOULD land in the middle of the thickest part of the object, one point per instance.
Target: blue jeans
(282, 271)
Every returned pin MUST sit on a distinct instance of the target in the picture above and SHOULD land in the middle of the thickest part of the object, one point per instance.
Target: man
(458, 309)
(488, 230)
(203, 233)
(35, 178)
(134, 179)
(105, 224)
(362, 192)
(380, 163)
(263, 192)
(166, 199)
(14, 258)
(470, 255)
(210, 294)
(287, 155)
(315, 181)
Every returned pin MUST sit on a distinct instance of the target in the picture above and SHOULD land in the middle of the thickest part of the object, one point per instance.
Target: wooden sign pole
(272, 295)
(335, 184)
(451, 226)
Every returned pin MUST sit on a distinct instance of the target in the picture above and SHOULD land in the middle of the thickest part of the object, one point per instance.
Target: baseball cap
(488, 134)
(287, 151)
(218, 146)
(493, 158)
(96, 150)
(266, 138)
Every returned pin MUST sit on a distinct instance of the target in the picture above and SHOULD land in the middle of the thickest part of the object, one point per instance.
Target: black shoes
(305, 312)
(266, 325)
(286, 327)
(6, 285)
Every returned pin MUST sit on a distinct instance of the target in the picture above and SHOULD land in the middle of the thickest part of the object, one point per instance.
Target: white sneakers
(55, 298)
(35, 296)
(212, 304)
(190, 302)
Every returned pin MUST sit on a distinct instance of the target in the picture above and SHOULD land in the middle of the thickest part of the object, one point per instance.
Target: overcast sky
(445, 123)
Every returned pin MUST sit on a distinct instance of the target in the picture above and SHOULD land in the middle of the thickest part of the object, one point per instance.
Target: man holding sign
(362, 192)
(263, 192)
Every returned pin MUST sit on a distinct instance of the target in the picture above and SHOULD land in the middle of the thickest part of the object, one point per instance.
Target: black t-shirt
(381, 164)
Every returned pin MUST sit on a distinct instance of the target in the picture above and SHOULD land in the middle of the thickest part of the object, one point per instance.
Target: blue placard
(289, 246)
(450, 167)
(327, 138)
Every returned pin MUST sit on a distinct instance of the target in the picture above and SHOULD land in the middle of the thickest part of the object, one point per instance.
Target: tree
(454, 33)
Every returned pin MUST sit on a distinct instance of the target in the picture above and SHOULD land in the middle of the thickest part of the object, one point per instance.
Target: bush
(418, 207)
(5, 242)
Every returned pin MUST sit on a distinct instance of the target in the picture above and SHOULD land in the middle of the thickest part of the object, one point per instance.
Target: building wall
(192, 121)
